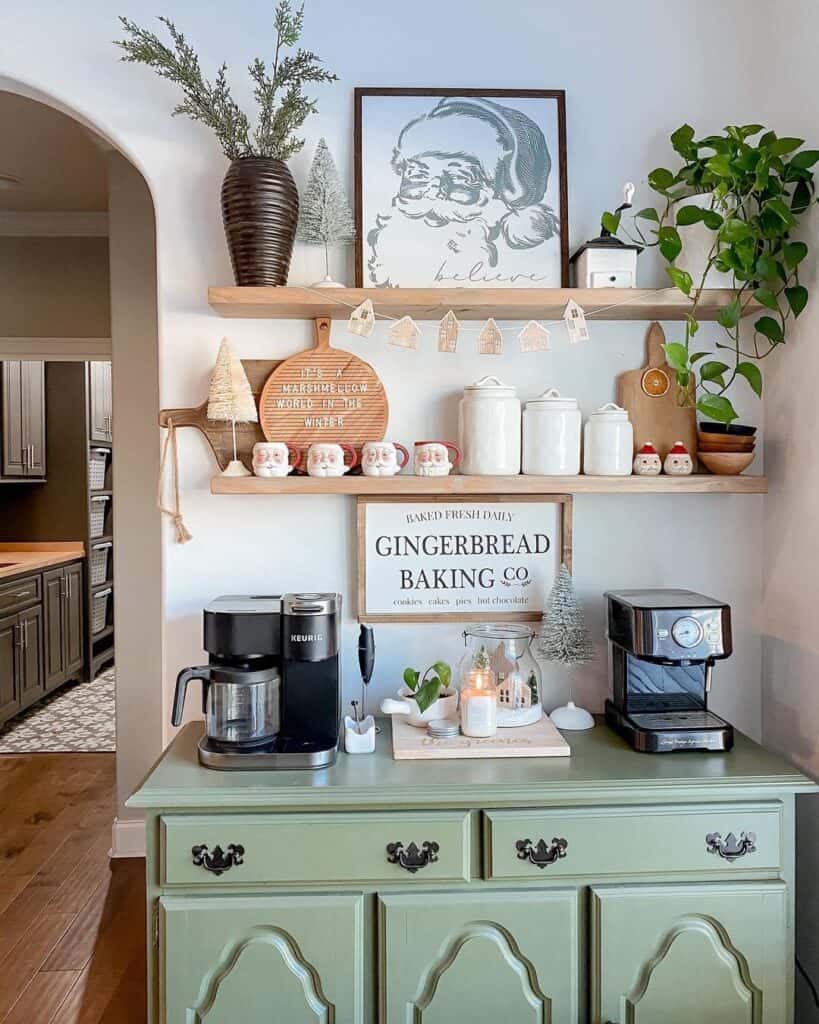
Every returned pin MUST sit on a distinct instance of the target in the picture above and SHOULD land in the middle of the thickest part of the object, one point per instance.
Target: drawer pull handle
(412, 859)
(730, 848)
(542, 854)
(218, 861)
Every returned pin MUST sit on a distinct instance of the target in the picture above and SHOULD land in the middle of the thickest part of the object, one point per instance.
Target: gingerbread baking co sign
(462, 559)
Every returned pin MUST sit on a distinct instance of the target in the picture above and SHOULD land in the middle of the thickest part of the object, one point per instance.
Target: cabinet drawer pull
(541, 854)
(730, 848)
(218, 861)
(412, 859)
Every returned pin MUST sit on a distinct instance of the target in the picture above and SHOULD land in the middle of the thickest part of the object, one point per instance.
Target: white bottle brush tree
(325, 217)
(565, 639)
(231, 400)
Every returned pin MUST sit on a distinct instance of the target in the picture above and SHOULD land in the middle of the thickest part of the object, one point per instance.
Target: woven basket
(97, 462)
(99, 610)
(98, 563)
(96, 516)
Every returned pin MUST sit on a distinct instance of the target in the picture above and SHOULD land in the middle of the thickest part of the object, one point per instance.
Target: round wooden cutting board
(325, 394)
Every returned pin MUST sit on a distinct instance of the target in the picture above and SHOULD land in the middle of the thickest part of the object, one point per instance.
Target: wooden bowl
(713, 446)
(735, 429)
(724, 442)
(726, 463)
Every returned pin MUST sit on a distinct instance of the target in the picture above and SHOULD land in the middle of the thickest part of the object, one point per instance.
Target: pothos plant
(758, 192)
(427, 690)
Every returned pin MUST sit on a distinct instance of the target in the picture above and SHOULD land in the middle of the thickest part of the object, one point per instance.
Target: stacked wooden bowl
(725, 448)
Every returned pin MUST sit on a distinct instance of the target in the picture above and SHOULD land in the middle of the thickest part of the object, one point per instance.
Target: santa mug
(432, 458)
(273, 458)
(328, 459)
(383, 458)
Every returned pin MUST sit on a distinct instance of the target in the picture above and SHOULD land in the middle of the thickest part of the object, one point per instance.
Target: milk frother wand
(366, 663)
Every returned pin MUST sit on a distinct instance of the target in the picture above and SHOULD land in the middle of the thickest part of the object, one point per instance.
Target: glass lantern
(517, 674)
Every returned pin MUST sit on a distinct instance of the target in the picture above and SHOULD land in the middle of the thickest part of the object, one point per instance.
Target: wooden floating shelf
(699, 483)
(294, 303)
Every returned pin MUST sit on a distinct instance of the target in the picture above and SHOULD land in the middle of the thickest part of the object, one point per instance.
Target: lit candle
(479, 703)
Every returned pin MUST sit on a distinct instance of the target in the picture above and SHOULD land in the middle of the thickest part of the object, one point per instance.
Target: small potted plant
(260, 202)
(425, 696)
(737, 200)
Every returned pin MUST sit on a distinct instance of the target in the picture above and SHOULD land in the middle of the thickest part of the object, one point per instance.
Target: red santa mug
(432, 458)
(329, 459)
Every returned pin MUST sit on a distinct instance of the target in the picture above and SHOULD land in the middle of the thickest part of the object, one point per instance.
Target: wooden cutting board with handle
(650, 395)
(324, 394)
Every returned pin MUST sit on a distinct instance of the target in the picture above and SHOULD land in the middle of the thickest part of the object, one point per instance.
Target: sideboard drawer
(247, 849)
(633, 840)
(20, 592)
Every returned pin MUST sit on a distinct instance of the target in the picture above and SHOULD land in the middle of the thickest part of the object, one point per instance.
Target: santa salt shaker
(678, 462)
(647, 461)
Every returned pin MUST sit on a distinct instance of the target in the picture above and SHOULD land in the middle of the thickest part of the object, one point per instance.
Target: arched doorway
(132, 346)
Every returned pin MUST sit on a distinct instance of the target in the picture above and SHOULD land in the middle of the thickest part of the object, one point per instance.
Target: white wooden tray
(539, 740)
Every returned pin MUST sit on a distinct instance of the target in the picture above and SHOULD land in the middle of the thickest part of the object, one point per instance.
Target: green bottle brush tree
(759, 191)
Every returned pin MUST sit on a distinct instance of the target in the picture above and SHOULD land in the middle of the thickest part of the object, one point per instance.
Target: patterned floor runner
(79, 717)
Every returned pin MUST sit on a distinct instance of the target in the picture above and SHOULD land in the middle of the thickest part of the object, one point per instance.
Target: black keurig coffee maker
(271, 690)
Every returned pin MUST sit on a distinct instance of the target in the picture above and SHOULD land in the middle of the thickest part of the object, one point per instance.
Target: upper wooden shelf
(294, 303)
(699, 483)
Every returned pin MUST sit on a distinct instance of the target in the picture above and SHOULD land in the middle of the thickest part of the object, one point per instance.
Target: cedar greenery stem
(282, 105)
(759, 191)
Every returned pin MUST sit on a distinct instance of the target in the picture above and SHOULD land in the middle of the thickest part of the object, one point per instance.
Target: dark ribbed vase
(260, 209)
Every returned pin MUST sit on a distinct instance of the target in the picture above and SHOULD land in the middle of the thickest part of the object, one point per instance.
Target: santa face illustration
(465, 213)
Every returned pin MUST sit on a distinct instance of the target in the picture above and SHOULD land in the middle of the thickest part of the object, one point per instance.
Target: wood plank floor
(72, 923)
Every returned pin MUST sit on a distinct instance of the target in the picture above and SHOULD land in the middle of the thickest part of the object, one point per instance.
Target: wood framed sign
(460, 558)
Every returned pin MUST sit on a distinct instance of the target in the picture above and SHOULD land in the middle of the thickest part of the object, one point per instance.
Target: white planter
(608, 442)
(697, 241)
(489, 429)
(405, 704)
(551, 435)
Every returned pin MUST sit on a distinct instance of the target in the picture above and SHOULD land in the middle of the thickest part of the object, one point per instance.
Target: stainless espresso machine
(662, 648)
(271, 689)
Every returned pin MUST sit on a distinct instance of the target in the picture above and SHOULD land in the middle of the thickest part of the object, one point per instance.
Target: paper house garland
(534, 338)
(575, 322)
(490, 340)
(405, 333)
(448, 333)
(362, 319)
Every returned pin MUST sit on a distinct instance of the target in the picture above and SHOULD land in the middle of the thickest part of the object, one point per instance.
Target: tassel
(183, 535)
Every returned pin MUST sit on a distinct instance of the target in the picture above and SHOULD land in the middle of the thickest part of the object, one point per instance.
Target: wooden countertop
(602, 769)
(20, 558)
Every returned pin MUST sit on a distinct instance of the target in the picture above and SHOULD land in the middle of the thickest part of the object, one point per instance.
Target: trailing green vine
(758, 193)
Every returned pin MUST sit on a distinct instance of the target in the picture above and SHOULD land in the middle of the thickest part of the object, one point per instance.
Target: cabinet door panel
(690, 953)
(53, 606)
(97, 403)
(9, 686)
(31, 656)
(13, 463)
(74, 643)
(255, 960)
(499, 956)
(33, 410)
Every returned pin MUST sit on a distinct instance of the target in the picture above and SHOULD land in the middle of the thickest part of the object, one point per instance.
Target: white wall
(632, 71)
(790, 641)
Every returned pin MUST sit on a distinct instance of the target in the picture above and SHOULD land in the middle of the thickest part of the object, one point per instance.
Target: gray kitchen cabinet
(30, 655)
(9, 682)
(63, 612)
(23, 419)
(99, 401)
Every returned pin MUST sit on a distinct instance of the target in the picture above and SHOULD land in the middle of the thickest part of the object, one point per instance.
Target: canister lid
(610, 411)
(552, 399)
(490, 387)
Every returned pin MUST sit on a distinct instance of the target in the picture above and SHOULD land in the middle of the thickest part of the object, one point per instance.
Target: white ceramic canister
(608, 442)
(489, 429)
(551, 435)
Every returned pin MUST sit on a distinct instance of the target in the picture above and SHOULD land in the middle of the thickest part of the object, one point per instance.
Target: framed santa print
(461, 188)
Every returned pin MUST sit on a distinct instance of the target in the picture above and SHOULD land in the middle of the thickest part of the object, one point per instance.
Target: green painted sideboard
(601, 887)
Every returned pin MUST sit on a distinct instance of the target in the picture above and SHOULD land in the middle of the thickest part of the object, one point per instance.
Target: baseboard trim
(127, 838)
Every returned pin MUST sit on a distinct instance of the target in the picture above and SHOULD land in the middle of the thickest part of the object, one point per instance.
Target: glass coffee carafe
(241, 703)
(517, 674)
